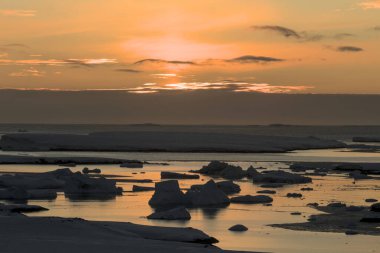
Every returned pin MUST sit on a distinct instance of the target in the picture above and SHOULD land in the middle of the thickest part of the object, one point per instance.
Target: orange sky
(150, 46)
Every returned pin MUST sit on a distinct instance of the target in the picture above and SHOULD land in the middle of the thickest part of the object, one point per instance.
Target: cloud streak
(286, 32)
(134, 71)
(16, 45)
(161, 61)
(289, 33)
(221, 86)
(300, 36)
(29, 72)
(254, 59)
(245, 59)
(366, 5)
(55, 62)
(18, 13)
(349, 49)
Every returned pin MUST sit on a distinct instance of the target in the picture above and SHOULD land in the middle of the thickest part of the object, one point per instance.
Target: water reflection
(89, 198)
(133, 207)
(212, 213)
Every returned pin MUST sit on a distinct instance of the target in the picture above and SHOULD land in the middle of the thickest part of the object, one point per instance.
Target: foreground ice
(62, 235)
(21, 208)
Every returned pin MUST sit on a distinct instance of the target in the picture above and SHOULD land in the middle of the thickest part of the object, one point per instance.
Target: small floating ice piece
(95, 171)
(266, 192)
(174, 175)
(137, 188)
(238, 228)
(294, 195)
(249, 199)
(179, 213)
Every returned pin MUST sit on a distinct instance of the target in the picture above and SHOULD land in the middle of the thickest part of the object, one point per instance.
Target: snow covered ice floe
(62, 235)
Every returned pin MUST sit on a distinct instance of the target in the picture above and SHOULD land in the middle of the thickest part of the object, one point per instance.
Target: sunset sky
(145, 46)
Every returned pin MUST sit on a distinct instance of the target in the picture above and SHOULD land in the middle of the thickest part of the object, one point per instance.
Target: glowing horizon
(126, 44)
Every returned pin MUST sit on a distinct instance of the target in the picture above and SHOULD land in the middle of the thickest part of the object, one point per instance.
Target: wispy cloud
(349, 49)
(245, 59)
(289, 33)
(18, 13)
(341, 36)
(165, 75)
(135, 71)
(28, 72)
(159, 61)
(374, 4)
(52, 62)
(90, 62)
(15, 45)
(301, 36)
(223, 86)
(284, 31)
(253, 59)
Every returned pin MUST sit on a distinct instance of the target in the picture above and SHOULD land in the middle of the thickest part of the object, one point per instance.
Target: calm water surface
(133, 207)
